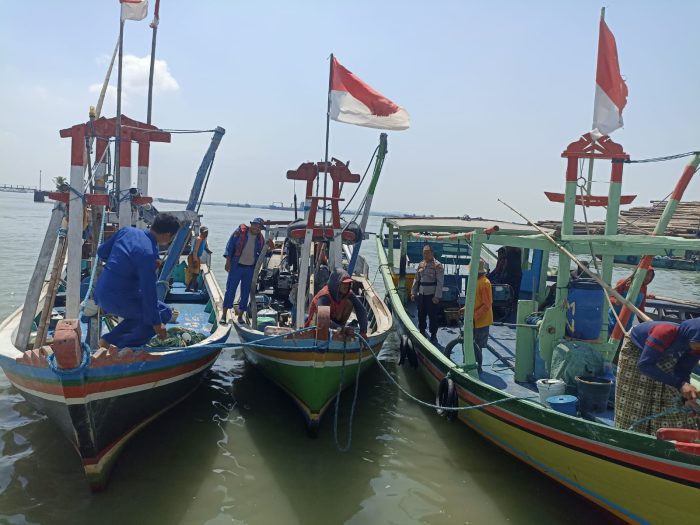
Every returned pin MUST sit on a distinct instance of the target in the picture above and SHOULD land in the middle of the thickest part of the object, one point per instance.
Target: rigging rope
(656, 159)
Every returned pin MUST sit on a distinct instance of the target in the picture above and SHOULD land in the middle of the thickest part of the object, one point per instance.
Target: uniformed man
(127, 285)
(427, 290)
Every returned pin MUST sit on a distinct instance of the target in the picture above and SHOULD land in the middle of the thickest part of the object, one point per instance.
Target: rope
(667, 412)
(361, 180)
(93, 271)
(346, 447)
(160, 130)
(431, 405)
(656, 159)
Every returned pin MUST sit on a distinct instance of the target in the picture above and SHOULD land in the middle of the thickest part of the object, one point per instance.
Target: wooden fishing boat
(101, 397)
(312, 366)
(663, 261)
(639, 478)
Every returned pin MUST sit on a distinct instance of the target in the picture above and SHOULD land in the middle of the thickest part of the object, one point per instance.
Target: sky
(495, 90)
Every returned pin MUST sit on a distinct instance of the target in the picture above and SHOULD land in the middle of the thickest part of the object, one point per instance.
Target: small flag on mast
(610, 89)
(134, 9)
(354, 102)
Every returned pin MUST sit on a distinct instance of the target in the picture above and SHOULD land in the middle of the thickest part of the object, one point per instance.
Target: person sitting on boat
(508, 269)
(427, 291)
(622, 287)
(339, 296)
(483, 314)
(127, 285)
(241, 253)
(194, 259)
(653, 376)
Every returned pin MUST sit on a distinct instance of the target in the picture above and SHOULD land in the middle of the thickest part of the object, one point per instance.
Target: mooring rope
(346, 447)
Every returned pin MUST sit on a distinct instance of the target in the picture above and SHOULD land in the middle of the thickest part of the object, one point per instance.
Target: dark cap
(258, 220)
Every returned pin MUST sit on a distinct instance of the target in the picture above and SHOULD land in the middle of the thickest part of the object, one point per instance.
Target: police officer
(427, 290)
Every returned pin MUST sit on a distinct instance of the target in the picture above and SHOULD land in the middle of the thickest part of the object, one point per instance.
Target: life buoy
(446, 398)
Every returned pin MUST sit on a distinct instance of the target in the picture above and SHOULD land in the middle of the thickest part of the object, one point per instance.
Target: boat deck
(192, 308)
(498, 361)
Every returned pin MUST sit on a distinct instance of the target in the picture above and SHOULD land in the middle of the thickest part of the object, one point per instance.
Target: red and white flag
(354, 102)
(610, 89)
(134, 9)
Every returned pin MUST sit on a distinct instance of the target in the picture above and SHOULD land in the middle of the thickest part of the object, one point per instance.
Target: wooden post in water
(36, 282)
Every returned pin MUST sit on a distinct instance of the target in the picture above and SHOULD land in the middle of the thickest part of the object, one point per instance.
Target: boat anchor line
(432, 405)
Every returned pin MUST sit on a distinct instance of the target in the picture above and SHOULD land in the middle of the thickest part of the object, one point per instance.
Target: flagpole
(328, 127)
(154, 25)
(118, 134)
(589, 184)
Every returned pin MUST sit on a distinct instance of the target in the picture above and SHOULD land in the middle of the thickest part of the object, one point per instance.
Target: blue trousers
(242, 275)
(133, 332)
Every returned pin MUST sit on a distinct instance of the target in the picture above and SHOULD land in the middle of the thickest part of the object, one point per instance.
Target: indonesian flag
(610, 89)
(134, 9)
(354, 102)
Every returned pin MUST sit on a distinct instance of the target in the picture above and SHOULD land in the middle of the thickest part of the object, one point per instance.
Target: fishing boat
(313, 366)
(639, 478)
(664, 261)
(101, 397)
(50, 347)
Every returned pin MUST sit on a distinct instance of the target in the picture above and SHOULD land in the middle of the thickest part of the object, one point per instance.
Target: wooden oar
(585, 270)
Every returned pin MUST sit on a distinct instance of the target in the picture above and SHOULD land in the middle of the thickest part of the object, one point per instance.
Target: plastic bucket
(584, 315)
(550, 387)
(564, 404)
(593, 393)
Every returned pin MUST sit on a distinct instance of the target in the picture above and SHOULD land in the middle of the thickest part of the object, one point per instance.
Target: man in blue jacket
(127, 285)
(242, 251)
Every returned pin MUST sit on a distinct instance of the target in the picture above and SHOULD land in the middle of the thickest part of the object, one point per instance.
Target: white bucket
(550, 387)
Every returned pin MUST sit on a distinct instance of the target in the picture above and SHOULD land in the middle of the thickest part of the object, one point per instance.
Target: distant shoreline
(271, 207)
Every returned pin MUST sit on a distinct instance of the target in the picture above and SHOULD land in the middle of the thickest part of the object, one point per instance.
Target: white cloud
(135, 72)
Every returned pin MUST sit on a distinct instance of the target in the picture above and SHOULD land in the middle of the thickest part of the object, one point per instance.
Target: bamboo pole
(52, 289)
(36, 283)
(609, 289)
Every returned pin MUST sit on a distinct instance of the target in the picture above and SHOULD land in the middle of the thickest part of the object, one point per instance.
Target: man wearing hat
(242, 251)
(483, 314)
(339, 296)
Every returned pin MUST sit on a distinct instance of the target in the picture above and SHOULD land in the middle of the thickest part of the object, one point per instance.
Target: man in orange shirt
(483, 313)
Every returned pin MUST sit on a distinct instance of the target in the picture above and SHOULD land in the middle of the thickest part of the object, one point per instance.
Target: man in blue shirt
(127, 285)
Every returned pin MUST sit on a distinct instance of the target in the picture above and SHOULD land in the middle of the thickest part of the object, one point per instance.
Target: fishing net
(177, 336)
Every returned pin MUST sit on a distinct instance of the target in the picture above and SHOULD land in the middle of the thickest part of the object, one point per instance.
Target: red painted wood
(589, 200)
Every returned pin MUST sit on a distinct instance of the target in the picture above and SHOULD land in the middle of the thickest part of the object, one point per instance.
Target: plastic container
(564, 404)
(549, 388)
(584, 315)
(593, 393)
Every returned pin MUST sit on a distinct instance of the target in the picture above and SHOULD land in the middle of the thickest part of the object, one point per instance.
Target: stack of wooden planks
(643, 219)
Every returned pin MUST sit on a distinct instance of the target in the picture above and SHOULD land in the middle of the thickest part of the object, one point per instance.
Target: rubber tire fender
(450, 346)
(403, 343)
(447, 397)
(411, 353)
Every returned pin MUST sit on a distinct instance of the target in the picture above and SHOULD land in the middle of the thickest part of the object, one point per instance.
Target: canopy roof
(457, 225)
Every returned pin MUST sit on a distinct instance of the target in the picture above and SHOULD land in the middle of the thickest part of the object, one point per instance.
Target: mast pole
(118, 134)
(154, 25)
(589, 183)
(328, 127)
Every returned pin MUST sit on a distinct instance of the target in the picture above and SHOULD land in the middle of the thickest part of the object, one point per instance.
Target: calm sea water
(236, 451)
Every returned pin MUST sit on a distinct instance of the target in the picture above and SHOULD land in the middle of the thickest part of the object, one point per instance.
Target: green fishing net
(177, 336)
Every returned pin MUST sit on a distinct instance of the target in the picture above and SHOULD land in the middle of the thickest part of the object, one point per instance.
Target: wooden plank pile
(641, 220)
